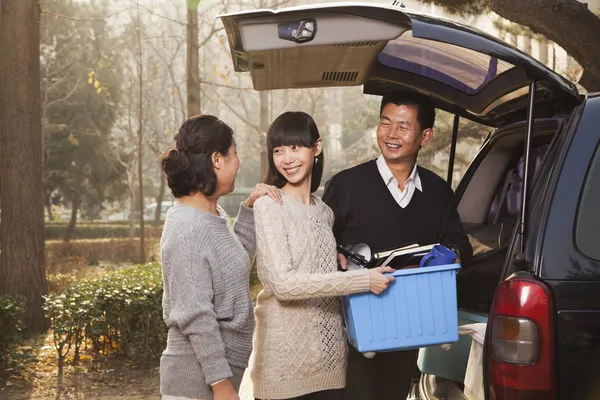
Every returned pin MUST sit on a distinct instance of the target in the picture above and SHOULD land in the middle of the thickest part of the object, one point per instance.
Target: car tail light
(521, 347)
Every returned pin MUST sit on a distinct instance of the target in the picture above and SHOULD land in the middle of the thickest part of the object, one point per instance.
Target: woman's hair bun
(175, 162)
(188, 164)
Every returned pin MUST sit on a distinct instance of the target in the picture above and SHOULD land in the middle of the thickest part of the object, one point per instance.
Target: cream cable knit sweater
(299, 342)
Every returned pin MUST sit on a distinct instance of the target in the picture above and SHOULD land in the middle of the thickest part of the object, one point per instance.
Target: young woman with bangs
(299, 345)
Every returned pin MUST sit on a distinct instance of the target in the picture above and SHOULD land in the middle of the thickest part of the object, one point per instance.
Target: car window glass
(463, 69)
(587, 232)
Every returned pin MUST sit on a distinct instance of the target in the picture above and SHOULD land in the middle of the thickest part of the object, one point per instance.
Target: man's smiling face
(399, 134)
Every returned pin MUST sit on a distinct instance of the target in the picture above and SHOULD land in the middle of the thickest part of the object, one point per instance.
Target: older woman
(206, 266)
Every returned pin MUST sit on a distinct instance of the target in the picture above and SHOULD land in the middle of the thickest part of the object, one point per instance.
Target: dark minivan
(530, 200)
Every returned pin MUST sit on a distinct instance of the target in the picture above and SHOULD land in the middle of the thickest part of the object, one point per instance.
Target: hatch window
(462, 69)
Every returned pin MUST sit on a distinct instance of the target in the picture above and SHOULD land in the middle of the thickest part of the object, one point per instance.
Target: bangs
(292, 130)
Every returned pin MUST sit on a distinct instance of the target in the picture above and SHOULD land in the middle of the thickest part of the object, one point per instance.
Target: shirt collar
(387, 175)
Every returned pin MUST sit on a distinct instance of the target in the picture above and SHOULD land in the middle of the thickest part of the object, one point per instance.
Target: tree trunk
(75, 205)
(193, 68)
(159, 199)
(131, 216)
(140, 137)
(48, 205)
(22, 213)
(263, 126)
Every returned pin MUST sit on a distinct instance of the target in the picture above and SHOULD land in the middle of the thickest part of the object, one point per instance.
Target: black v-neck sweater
(366, 212)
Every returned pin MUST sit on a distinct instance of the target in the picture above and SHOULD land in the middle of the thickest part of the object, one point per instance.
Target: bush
(93, 251)
(10, 326)
(97, 230)
(120, 312)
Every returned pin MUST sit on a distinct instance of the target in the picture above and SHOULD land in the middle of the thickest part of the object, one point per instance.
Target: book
(385, 254)
(404, 256)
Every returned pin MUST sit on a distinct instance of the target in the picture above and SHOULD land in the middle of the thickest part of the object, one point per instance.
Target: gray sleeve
(244, 229)
(192, 309)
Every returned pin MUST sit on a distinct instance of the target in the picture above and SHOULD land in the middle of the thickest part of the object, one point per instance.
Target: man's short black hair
(423, 104)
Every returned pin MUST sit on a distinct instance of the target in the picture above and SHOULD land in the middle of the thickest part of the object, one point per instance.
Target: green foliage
(10, 326)
(56, 231)
(119, 313)
(80, 80)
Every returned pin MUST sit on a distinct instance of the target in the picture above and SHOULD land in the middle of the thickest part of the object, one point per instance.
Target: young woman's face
(227, 170)
(295, 163)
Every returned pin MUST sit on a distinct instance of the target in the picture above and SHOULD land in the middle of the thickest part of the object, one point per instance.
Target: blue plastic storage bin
(417, 310)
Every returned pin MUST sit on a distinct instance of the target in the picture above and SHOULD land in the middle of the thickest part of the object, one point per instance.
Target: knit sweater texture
(300, 345)
(206, 301)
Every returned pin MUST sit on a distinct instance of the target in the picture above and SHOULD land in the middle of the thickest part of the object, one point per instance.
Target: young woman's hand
(342, 261)
(380, 282)
(224, 391)
(260, 190)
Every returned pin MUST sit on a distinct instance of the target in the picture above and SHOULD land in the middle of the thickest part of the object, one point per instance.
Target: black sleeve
(452, 231)
(331, 197)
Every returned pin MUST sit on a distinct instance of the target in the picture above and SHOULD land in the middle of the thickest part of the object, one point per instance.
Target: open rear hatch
(387, 48)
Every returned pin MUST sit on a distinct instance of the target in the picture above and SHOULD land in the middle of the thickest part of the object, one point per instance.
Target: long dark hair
(188, 165)
(293, 128)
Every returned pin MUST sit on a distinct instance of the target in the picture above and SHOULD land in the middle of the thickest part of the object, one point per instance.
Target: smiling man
(386, 203)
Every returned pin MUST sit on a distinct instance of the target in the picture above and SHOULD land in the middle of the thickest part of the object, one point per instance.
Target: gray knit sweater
(206, 300)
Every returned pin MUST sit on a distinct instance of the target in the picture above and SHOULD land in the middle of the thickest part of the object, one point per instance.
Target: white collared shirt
(413, 182)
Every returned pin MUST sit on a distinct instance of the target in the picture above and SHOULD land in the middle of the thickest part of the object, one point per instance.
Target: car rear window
(587, 232)
(463, 69)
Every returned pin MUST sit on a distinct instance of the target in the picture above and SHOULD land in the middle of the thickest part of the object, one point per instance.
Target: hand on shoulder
(266, 204)
(263, 190)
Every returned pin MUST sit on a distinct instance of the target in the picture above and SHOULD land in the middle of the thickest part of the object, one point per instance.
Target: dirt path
(115, 378)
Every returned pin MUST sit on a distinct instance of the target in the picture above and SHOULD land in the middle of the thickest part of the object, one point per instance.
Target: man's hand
(342, 261)
(224, 391)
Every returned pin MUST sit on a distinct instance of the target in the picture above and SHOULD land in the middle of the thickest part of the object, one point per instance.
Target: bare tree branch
(279, 4)
(212, 32)
(233, 110)
(211, 83)
(169, 65)
(162, 16)
(55, 15)
(67, 97)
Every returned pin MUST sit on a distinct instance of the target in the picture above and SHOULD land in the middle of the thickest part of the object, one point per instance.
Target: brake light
(521, 350)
